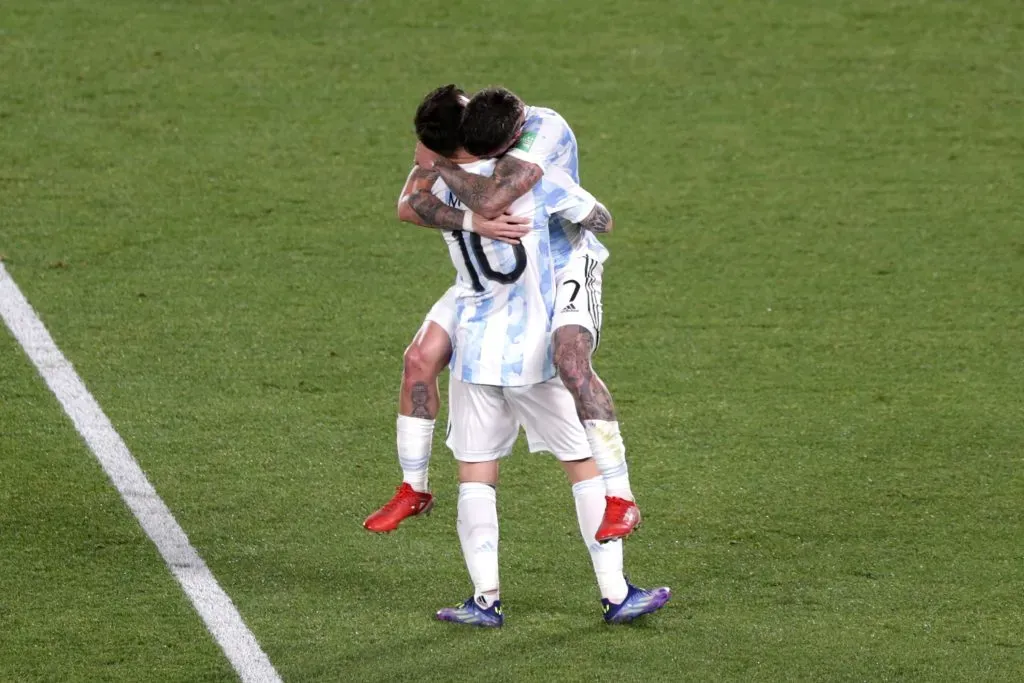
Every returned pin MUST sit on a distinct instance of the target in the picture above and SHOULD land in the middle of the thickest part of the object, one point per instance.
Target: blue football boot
(638, 602)
(472, 614)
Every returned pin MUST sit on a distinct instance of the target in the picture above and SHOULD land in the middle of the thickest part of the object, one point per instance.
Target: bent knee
(418, 363)
(572, 351)
(573, 367)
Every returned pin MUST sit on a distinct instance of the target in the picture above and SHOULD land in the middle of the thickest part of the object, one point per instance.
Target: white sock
(610, 454)
(606, 557)
(478, 533)
(415, 438)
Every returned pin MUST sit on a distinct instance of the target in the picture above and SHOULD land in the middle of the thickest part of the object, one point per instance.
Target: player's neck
(461, 156)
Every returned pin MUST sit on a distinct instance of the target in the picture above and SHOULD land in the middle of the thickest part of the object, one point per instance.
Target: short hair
(438, 119)
(491, 121)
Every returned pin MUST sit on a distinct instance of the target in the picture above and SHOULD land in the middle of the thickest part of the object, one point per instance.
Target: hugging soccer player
(530, 142)
(503, 377)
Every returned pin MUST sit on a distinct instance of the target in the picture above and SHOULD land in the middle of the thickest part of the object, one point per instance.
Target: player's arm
(578, 206)
(432, 212)
(420, 206)
(490, 197)
(599, 220)
(419, 179)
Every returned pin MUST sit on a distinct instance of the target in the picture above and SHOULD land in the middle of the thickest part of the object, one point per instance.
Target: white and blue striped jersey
(506, 293)
(548, 141)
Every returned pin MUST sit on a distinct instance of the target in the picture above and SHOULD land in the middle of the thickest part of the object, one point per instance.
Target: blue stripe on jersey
(543, 194)
(569, 151)
(547, 288)
(512, 367)
(472, 344)
(566, 152)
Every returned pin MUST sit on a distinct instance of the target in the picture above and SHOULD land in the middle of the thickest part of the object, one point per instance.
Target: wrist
(467, 221)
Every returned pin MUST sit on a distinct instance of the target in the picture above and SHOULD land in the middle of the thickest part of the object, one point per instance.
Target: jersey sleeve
(569, 199)
(539, 143)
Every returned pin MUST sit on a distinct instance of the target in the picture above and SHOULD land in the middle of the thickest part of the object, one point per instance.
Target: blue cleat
(638, 602)
(472, 614)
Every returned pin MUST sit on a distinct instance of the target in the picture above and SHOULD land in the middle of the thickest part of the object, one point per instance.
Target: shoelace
(400, 500)
(618, 505)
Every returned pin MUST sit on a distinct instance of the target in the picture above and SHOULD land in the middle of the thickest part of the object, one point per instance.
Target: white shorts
(444, 313)
(484, 421)
(578, 295)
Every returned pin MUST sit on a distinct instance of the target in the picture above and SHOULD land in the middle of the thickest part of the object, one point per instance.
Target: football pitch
(813, 331)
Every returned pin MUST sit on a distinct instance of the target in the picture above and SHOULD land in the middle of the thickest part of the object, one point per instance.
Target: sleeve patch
(526, 141)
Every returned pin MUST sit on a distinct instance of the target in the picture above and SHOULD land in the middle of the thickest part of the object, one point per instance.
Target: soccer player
(437, 122)
(503, 376)
(540, 139)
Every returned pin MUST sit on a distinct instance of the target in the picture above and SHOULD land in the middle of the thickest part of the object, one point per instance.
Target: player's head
(438, 119)
(493, 122)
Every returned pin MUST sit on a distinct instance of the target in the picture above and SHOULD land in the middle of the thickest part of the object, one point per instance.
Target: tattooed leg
(417, 407)
(573, 348)
(423, 361)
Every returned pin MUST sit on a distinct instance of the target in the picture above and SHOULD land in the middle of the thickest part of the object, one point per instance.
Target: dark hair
(491, 121)
(438, 118)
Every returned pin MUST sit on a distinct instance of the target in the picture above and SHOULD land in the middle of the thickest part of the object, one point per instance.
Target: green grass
(814, 333)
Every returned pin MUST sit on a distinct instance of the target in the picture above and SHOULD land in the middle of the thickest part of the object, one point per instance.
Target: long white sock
(610, 454)
(606, 557)
(415, 438)
(478, 533)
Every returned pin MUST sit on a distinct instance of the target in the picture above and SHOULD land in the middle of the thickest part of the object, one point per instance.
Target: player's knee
(418, 364)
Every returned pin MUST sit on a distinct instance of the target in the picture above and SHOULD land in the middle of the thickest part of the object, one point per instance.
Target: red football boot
(621, 518)
(407, 502)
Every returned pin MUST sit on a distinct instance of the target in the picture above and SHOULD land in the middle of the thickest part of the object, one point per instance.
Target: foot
(621, 518)
(407, 502)
(472, 614)
(638, 602)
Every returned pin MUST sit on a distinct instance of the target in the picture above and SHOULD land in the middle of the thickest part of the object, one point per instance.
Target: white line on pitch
(210, 601)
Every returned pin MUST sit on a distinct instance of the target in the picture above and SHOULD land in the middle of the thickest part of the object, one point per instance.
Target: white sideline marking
(209, 599)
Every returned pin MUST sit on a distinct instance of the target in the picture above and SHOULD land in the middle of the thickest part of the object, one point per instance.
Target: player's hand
(425, 158)
(505, 228)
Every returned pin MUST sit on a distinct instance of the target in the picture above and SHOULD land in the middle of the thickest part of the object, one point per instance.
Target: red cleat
(621, 518)
(407, 502)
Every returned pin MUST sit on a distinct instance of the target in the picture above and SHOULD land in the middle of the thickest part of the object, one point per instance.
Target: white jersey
(506, 293)
(548, 141)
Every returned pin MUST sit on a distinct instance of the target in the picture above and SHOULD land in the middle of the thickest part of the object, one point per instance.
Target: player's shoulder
(543, 116)
(556, 177)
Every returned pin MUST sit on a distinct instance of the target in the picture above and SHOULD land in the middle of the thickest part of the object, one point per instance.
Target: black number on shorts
(575, 291)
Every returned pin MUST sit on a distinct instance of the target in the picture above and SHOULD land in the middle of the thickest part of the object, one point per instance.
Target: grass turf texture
(814, 335)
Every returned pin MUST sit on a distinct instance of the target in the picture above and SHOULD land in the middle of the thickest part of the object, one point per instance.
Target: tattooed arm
(418, 205)
(489, 197)
(420, 179)
(598, 220)
(433, 213)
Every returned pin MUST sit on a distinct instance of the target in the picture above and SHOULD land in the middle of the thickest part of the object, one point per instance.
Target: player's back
(548, 141)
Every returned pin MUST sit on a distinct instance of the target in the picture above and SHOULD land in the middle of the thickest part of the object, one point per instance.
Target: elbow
(406, 214)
